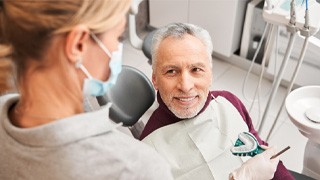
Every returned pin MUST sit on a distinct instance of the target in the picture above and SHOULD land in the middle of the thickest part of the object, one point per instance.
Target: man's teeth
(186, 99)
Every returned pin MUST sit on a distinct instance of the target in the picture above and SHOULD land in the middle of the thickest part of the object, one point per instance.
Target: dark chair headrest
(146, 46)
(131, 96)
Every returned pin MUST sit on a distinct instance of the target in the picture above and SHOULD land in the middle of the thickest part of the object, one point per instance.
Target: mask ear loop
(100, 44)
(80, 66)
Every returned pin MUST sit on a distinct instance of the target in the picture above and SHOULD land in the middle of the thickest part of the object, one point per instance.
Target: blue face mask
(95, 87)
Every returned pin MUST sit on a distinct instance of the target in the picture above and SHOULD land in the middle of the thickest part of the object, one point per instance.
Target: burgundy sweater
(162, 116)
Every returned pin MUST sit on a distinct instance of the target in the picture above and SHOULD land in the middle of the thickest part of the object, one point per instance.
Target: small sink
(303, 108)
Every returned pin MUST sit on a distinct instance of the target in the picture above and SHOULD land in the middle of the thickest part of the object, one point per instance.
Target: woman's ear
(76, 42)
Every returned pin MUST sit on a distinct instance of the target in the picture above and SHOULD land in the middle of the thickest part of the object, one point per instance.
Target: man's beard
(184, 113)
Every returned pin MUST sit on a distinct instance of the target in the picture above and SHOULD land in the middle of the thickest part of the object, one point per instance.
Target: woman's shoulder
(129, 145)
(129, 152)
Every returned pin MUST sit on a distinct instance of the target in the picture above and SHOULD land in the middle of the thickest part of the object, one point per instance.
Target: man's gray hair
(178, 30)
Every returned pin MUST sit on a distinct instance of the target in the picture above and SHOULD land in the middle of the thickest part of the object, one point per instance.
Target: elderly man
(193, 127)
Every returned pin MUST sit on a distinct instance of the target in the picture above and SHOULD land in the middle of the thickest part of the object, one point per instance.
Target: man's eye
(171, 71)
(196, 69)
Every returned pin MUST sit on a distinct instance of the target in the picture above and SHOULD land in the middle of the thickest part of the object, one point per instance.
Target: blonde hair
(27, 26)
(6, 73)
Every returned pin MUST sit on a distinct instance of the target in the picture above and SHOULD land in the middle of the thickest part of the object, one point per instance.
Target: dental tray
(246, 145)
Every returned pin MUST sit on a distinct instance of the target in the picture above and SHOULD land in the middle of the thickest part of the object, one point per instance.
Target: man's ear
(211, 79)
(154, 81)
(76, 42)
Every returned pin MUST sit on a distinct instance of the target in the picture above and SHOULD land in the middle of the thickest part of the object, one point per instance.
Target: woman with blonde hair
(6, 77)
(64, 52)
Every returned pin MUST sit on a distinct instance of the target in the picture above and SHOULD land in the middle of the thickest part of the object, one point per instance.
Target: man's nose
(186, 82)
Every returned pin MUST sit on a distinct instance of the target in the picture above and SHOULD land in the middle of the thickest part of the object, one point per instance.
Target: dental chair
(131, 97)
(143, 44)
(133, 94)
(299, 176)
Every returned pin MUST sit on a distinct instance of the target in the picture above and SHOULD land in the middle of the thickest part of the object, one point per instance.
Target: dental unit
(301, 18)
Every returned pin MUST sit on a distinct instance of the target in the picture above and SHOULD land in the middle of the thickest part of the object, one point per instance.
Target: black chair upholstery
(146, 45)
(131, 96)
(299, 176)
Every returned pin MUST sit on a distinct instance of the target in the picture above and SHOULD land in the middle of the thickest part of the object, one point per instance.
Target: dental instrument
(291, 28)
(280, 152)
(264, 59)
(305, 33)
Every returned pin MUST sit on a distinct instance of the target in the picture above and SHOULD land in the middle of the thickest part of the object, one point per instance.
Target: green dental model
(246, 145)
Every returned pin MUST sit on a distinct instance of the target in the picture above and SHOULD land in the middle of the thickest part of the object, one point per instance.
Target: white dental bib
(199, 148)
